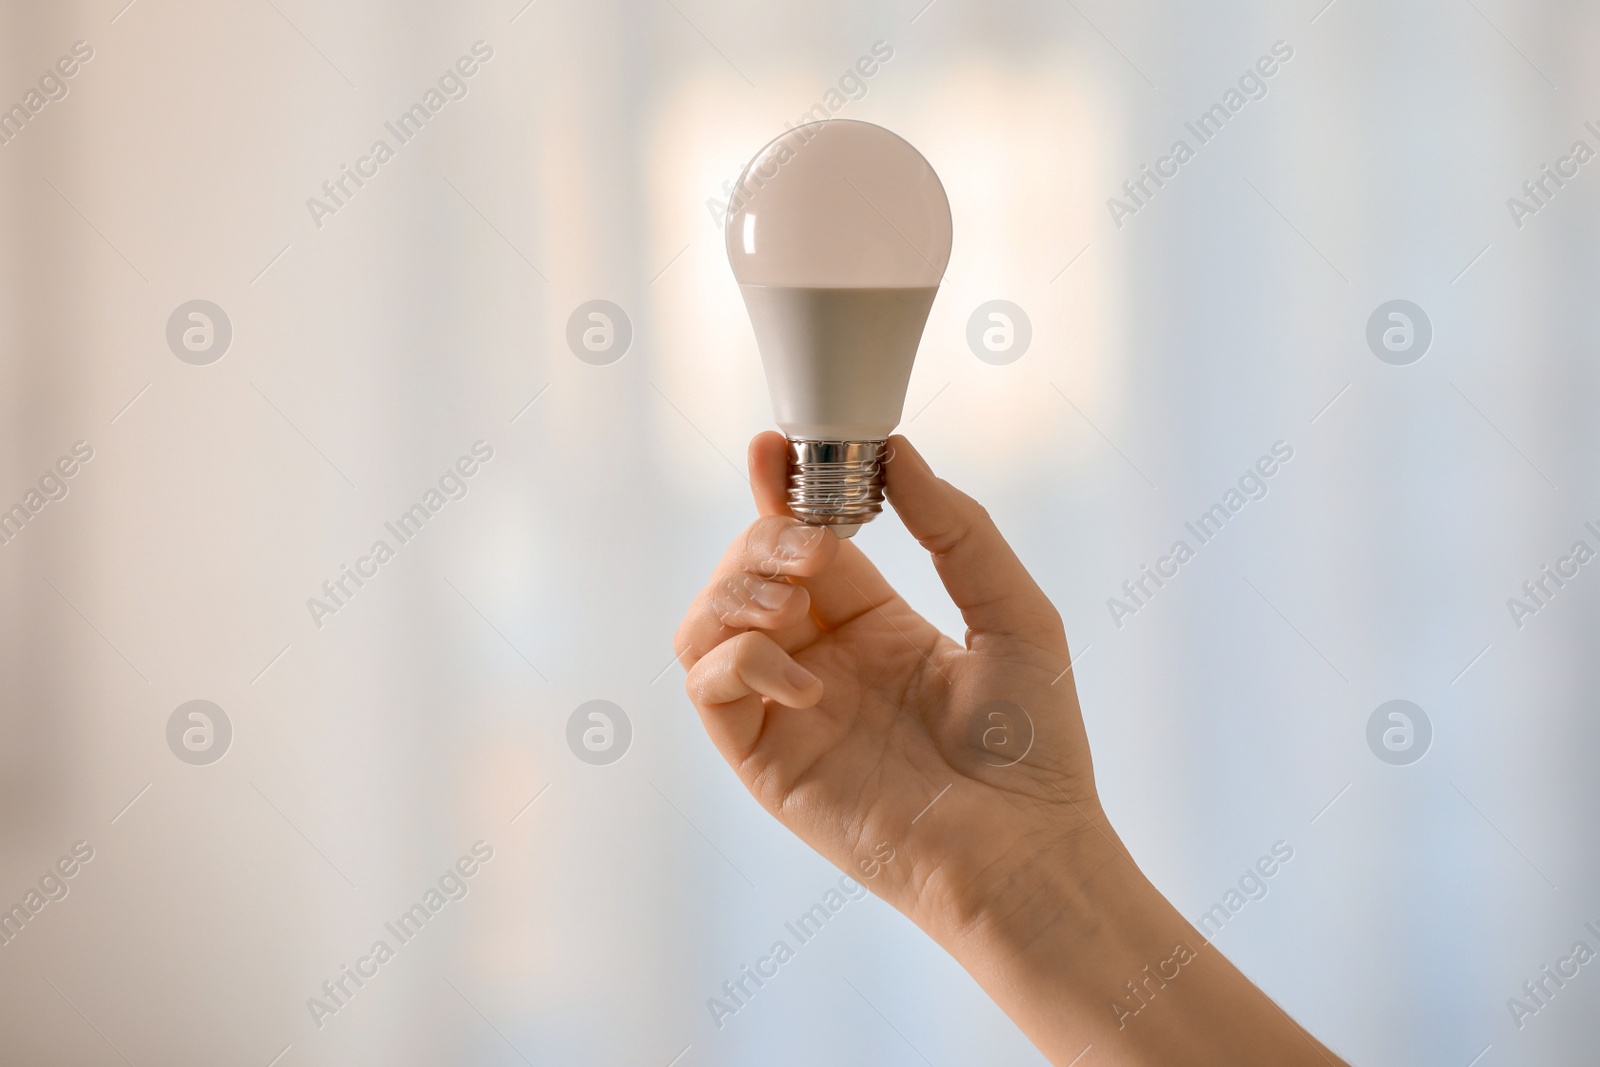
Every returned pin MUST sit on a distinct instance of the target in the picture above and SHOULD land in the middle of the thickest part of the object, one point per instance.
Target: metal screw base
(836, 483)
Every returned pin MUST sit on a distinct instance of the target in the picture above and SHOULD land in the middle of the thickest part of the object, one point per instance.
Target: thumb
(995, 592)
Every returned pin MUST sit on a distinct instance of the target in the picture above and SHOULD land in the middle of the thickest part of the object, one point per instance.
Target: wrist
(1056, 879)
(1054, 937)
(1074, 902)
(1080, 948)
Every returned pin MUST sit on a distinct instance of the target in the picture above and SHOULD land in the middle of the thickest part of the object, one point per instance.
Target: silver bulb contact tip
(836, 483)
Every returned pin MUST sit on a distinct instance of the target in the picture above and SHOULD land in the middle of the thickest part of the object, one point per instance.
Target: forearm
(1084, 953)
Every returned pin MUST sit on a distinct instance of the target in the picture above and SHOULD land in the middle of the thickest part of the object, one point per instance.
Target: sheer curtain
(260, 343)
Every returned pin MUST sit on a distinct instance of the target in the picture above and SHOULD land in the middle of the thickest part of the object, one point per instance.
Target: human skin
(846, 715)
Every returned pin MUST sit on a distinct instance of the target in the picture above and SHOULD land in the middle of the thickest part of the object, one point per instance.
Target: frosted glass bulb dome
(838, 234)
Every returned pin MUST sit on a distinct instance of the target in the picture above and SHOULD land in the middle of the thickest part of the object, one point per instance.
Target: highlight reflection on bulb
(838, 234)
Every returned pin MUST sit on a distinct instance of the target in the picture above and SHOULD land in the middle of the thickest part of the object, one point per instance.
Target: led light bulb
(838, 233)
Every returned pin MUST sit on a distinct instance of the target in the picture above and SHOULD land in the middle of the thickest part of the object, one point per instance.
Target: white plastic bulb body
(839, 234)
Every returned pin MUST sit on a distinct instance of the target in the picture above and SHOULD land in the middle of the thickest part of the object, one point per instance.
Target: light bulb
(838, 234)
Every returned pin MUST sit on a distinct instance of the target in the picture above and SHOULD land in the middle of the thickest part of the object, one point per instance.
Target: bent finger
(729, 687)
(768, 460)
(744, 591)
(849, 585)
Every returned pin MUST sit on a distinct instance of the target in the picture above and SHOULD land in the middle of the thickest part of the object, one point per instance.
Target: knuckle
(753, 537)
(706, 683)
(761, 539)
(683, 650)
(731, 595)
(747, 649)
(772, 547)
(685, 643)
(973, 514)
(963, 522)
(740, 647)
(694, 684)
(948, 538)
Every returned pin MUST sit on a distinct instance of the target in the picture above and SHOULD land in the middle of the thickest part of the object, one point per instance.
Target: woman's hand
(955, 781)
(868, 732)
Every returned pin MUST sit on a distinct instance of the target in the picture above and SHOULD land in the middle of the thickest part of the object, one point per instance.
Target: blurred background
(265, 360)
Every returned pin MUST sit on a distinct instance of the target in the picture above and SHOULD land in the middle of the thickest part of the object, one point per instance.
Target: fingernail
(798, 677)
(798, 540)
(772, 595)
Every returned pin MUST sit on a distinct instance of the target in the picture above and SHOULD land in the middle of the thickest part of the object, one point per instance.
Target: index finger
(850, 585)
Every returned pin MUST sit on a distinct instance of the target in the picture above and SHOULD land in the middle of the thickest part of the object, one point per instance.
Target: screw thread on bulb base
(836, 483)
